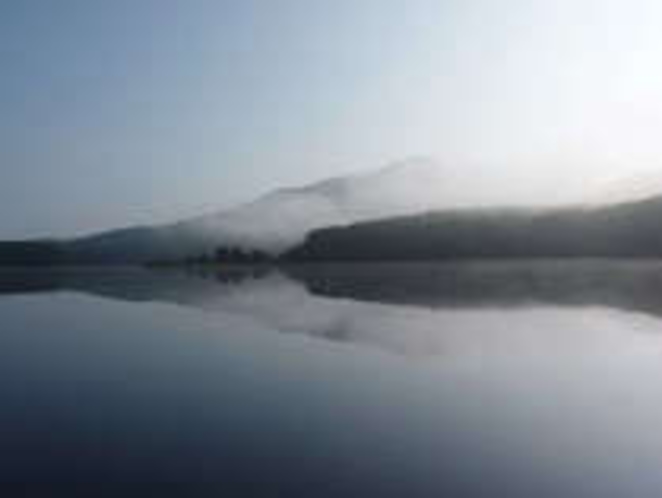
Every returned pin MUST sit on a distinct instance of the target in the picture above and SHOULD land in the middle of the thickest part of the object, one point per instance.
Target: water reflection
(547, 382)
(628, 285)
(513, 310)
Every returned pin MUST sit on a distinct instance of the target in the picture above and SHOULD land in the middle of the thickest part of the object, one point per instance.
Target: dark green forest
(31, 254)
(628, 230)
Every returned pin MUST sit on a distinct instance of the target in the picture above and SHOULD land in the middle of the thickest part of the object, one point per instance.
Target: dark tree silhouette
(235, 255)
(628, 230)
(31, 254)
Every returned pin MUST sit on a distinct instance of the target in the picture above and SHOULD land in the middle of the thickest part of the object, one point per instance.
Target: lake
(532, 379)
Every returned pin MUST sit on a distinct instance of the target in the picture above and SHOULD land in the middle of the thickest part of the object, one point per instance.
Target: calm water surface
(479, 379)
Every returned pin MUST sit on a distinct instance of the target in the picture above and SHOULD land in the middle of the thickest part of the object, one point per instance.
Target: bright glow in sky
(135, 111)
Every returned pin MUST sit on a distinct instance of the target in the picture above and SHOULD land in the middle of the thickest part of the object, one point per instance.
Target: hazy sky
(115, 112)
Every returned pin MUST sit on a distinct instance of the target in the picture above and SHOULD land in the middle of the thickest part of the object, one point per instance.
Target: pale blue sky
(114, 112)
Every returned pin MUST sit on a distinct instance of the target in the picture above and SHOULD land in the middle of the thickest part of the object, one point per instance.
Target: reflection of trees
(620, 284)
(625, 285)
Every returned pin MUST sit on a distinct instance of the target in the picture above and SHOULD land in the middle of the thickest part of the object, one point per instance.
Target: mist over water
(483, 379)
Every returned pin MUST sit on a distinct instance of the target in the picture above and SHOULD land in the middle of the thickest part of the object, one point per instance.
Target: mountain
(281, 219)
(624, 230)
(457, 199)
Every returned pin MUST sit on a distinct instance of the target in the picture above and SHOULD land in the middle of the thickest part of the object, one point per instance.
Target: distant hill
(281, 219)
(464, 220)
(625, 230)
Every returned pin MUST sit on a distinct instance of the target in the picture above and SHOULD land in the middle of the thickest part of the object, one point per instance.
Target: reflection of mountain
(408, 309)
(629, 285)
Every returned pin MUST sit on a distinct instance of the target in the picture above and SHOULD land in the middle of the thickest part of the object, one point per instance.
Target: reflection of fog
(548, 385)
(479, 310)
(534, 331)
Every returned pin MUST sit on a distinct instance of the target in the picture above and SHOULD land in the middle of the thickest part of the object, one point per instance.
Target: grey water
(472, 379)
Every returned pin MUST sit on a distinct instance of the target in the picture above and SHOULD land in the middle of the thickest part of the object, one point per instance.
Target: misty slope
(283, 218)
(623, 230)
